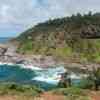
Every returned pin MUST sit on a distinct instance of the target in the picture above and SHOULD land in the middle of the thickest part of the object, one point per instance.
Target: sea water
(4, 40)
(43, 78)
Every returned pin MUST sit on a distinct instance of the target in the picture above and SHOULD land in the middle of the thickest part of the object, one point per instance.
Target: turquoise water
(42, 78)
(15, 74)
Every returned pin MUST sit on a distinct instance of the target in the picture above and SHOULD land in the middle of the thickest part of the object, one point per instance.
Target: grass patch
(72, 93)
(15, 89)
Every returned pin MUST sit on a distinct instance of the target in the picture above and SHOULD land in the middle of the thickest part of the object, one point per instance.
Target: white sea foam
(51, 75)
(4, 63)
(47, 80)
(32, 67)
(22, 66)
(48, 75)
(74, 76)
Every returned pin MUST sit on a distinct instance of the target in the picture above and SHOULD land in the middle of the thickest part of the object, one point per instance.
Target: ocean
(43, 78)
(4, 39)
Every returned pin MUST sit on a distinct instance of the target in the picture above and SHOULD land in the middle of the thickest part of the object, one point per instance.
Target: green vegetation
(70, 37)
(86, 84)
(27, 48)
(92, 81)
(15, 89)
(95, 77)
(72, 93)
(80, 91)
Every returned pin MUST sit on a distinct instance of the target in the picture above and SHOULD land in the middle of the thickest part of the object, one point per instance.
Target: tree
(96, 73)
(95, 76)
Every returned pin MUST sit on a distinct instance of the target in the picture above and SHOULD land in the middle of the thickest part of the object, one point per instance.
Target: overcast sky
(18, 15)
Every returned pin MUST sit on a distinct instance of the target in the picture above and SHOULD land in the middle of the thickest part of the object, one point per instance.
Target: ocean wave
(22, 66)
(50, 75)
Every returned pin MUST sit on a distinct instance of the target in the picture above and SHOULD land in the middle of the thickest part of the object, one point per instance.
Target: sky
(17, 16)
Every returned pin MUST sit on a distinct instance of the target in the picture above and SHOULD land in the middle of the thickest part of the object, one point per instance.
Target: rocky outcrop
(8, 54)
(3, 50)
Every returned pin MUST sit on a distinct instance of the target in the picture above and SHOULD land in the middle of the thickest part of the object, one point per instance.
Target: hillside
(75, 37)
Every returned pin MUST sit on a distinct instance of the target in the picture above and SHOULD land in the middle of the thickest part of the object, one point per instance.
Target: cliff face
(70, 37)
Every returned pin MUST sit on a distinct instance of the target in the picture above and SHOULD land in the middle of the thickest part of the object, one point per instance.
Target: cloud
(18, 15)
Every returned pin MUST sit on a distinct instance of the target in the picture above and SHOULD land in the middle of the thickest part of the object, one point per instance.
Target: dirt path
(50, 96)
(95, 95)
(45, 96)
(12, 97)
(7, 98)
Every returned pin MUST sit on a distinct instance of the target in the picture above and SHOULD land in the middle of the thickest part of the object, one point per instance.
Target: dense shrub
(86, 84)
(16, 89)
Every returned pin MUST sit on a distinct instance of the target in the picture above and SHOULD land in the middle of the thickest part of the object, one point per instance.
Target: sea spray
(50, 75)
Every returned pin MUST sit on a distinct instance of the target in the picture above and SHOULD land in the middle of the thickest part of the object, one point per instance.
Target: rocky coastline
(8, 55)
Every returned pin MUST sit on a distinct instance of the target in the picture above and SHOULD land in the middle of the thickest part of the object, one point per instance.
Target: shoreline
(22, 66)
(50, 75)
(9, 56)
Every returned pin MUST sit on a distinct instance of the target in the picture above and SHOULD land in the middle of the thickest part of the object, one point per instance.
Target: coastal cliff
(74, 38)
(69, 41)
